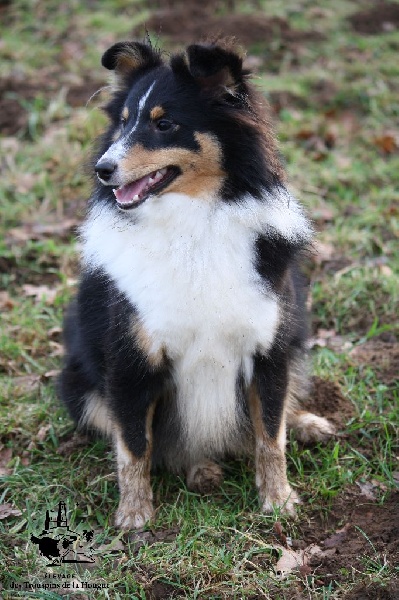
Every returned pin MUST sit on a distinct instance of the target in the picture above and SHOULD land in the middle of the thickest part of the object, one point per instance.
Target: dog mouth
(136, 192)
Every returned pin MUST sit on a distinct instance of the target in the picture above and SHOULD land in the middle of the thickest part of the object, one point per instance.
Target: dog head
(192, 125)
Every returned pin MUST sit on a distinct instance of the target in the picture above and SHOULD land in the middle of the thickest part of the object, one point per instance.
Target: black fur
(205, 91)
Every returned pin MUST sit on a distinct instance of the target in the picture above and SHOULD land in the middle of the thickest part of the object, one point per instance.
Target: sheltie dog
(186, 342)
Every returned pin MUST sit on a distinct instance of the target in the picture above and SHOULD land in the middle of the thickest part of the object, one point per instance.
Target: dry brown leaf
(388, 143)
(324, 251)
(57, 349)
(51, 374)
(5, 456)
(337, 538)
(25, 182)
(321, 338)
(42, 433)
(26, 384)
(6, 303)
(40, 292)
(289, 561)
(4, 471)
(8, 510)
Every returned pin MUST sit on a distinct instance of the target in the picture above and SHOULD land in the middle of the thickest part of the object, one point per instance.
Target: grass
(217, 546)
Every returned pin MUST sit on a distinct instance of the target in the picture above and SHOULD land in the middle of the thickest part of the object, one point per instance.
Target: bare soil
(16, 97)
(190, 22)
(362, 533)
(327, 400)
(383, 17)
(382, 354)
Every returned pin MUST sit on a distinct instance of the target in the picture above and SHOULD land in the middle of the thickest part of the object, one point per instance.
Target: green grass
(217, 546)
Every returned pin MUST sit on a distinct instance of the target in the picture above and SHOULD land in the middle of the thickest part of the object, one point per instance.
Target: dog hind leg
(204, 477)
(307, 426)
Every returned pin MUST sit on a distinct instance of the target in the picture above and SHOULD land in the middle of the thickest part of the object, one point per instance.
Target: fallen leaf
(57, 349)
(5, 301)
(337, 538)
(69, 446)
(339, 343)
(291, 560)
(26, 384)
(7, 510)
(5, 456)
(388, 143)
(51, 374)
(321, 338)
(5, 471)
(25, 182)
(114, 546)
(324, 251)
(42, 433)
(40, 292)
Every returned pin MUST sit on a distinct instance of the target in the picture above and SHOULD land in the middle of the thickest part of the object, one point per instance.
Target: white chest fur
(188, 268)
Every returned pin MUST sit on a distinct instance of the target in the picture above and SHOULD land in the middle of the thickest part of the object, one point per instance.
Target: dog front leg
(133, 456)
(266, 403)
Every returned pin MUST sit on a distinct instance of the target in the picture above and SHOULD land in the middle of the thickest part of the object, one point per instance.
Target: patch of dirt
(365, 534)
(374, 591)
(382, 356)
(13, 115)
(327, 400)
(79, 95)
(381, 18)
(139, 538)
(16, 94)
(282, 99)
(191, 22)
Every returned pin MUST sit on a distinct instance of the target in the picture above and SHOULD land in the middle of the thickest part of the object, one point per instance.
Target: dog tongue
(126, 193)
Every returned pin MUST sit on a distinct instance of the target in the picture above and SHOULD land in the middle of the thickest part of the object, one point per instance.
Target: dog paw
(133, 515)
(312, 428)
(284, 501)
(204, 477)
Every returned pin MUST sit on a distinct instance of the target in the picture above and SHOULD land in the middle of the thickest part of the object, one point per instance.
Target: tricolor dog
(186, 342)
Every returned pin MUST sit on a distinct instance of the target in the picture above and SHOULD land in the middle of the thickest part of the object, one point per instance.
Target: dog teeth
(159, 174)
(151, 180)
(135, 197)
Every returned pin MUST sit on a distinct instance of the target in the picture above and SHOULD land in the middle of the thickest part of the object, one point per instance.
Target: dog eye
(164, 125)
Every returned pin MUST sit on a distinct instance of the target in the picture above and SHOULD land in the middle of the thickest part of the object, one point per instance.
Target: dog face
(186, 127)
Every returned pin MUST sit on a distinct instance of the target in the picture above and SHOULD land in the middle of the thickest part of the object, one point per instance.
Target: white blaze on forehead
(118, 149)
(141, 105)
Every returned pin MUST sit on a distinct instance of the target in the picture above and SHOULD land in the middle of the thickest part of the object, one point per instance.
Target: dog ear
(126, 57)
(214, 68)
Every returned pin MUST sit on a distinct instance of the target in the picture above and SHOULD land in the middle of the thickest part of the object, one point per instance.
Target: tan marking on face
(271, 477)
(155, 355)
(202, 175)
(135, 505)
(157, 112)
(125, 113)
(117, 134)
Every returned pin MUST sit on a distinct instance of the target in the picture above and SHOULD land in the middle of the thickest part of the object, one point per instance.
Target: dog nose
(104, 169)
